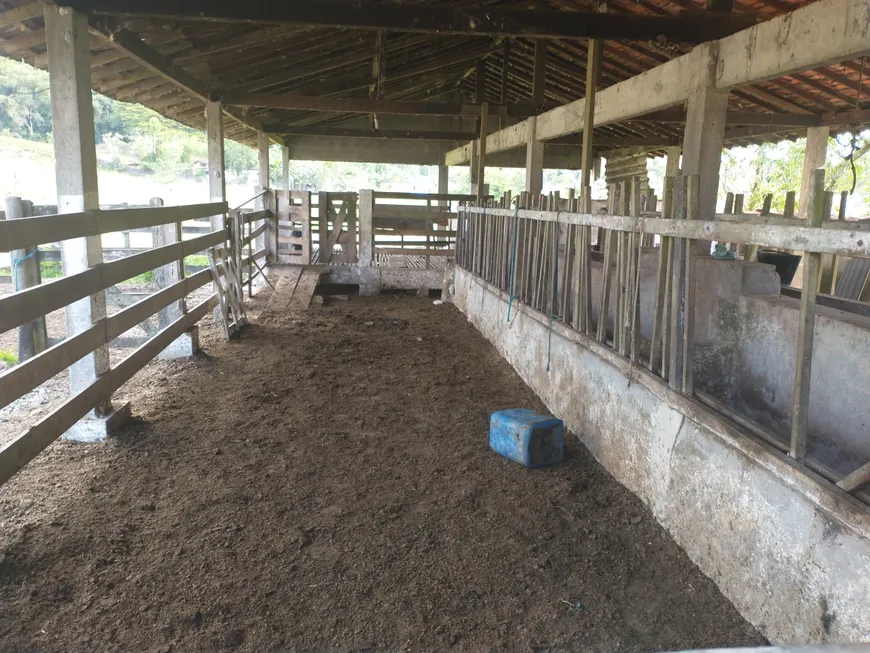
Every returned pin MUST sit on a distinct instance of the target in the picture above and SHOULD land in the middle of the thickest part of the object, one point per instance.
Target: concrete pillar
(72, 113)
(263, 178)
(672, 162)
(285, 168)
(704, 136)
(24, 264)
(187, 344)
(814, 158)
(443, 182)
(534, 163)
(366, 228)
(217, 183)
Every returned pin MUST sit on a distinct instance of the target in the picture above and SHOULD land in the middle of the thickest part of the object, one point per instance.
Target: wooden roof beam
(21, 13)
(397, 134)
(472, 21)
(353, 105)
(137, 49)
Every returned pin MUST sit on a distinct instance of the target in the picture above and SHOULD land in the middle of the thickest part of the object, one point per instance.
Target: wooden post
(217, 183)
(593, 68)
(366, 228)
(24, 264)
(806, 326)
(814, 158)
(285, 168)
(481, 153)
(679, 282)
(539, 73)
(68, 41)
(534, 163)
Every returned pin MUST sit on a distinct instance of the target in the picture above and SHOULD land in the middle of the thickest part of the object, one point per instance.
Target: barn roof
(172, 56)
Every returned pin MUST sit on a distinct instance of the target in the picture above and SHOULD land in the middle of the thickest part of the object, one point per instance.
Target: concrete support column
(217, 183)
(263, 178)
(814, 158)
(672, 162)
(443, 183)
(704, 136)
(75, 156)
(187, 344)
(285, 168)
(534, 163)
(32, 337)
(366, 228)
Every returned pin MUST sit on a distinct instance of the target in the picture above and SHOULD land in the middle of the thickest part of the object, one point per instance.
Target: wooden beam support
(539, 72)
(131, 45)
(21, 13)
(768, 50)
(593, 69)
(704, 134)
(392, 134)
(428, 18)
(363, 105)
(534, 164)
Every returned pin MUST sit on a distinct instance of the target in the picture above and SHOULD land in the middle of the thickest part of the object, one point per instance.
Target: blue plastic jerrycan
(525, 437)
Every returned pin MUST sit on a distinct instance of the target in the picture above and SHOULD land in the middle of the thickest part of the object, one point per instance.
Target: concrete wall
(789, 550)
(746, 347)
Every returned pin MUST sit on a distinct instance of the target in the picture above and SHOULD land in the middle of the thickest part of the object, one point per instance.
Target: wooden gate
(293, 213)
(337, 228)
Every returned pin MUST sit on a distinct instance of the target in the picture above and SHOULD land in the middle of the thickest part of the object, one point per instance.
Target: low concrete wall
(372, 280)
(765, 337)
(788, 549)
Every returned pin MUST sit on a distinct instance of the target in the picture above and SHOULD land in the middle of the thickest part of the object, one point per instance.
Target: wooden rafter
(470, 21)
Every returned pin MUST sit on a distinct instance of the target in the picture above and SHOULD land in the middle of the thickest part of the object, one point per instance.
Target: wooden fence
(540, 253)
(27, 305)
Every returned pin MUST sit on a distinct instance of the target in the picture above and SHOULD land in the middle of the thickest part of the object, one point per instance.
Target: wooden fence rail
(23, 306)
(540, 251)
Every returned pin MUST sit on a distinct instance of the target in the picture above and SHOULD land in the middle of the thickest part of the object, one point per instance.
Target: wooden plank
(450, 197)
(21, 13)
(397, 212)
(30, 232)
(284, 289)
(399, 251)
(20, 451)
(301, 299)
(695, 27)
(387, 134)
(256, 232)
(845, 239)
(365, 105)
(23, 378)
(856, 480)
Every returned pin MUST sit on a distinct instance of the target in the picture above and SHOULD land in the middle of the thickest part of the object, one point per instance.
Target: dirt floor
(324, 483)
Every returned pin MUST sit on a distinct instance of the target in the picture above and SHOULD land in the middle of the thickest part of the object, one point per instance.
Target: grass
(8, 358)
(145, 277)
(196, 260)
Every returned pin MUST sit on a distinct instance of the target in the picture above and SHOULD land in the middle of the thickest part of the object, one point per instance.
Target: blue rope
(553, 287)
(513, 263)
(15, 263)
